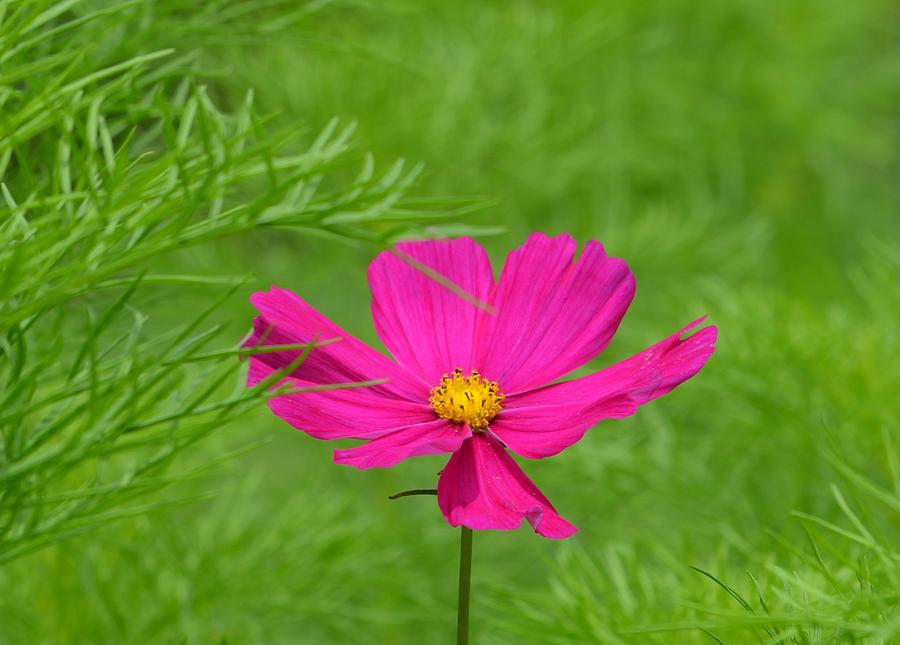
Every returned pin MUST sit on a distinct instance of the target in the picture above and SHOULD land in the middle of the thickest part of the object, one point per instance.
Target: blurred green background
(741, 156)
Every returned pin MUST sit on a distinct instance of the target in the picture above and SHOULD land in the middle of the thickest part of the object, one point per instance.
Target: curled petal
(429, 438)
(482, 487)
(553, 314)
(425, 303)
(285, 319)
(544, 422)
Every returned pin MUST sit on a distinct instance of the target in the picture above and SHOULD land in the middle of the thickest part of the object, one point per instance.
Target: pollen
(466, 399)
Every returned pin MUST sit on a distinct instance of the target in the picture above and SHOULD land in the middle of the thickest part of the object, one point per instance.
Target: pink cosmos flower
(475, 368)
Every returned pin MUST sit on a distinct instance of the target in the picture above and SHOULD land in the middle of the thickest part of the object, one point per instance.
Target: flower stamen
(466, 399)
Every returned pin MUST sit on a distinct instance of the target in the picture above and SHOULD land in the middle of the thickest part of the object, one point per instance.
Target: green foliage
(739, 155)
(109, 164)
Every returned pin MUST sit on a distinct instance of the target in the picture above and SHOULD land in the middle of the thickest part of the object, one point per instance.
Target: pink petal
(544, 422)
(286, 319)
(427, 326)
(358, 413)
(429, 438)
(482, 487)
(553, 314)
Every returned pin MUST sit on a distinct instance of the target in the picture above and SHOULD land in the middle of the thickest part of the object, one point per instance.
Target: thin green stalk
(414, 491)
(465, 576)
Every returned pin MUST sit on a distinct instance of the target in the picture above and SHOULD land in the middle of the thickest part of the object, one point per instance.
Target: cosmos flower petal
(482, 487)
(429, 438)
(286, 319)
(544, 422)
(553, 314)
(427, 323)
(353, 412)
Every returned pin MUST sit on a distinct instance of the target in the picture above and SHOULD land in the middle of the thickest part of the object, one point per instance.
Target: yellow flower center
(466, 399)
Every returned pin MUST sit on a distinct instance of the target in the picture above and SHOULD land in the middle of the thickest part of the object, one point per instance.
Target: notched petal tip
(694, 325)
(259, 299)
(549, 525)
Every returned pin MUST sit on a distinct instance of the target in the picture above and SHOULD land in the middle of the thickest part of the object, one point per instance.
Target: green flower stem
(465, 570)
(465, 575)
